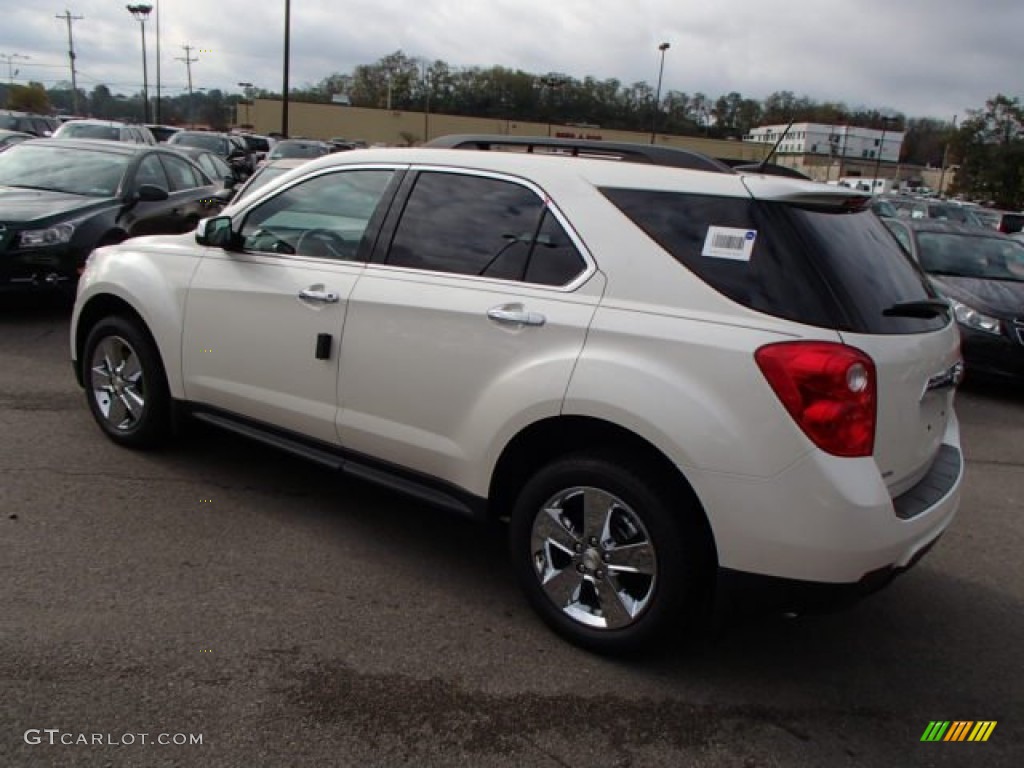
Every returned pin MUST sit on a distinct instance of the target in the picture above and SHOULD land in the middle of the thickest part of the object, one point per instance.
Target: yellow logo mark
(206, 501)
(206, 650)
(206, 350)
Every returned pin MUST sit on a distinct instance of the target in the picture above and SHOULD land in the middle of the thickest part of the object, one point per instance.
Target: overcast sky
(925, 58)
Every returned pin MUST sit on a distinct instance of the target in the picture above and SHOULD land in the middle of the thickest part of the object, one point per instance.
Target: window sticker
(729, 243)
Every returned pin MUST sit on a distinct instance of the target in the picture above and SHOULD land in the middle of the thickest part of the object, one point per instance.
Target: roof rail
(610, 150)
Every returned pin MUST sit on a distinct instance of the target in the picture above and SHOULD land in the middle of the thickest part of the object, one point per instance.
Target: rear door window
(824, 267)
(483, 226)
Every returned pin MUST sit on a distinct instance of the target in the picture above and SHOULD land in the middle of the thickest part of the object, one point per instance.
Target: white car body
(418, 377)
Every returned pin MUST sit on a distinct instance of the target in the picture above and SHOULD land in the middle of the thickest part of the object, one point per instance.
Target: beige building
(393, 127)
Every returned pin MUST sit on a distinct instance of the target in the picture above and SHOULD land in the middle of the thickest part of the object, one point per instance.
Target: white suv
(676, 384)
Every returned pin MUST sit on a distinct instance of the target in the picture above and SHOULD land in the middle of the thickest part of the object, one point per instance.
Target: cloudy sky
(925, 58)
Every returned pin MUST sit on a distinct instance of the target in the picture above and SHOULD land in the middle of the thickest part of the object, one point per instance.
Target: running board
(393, 479)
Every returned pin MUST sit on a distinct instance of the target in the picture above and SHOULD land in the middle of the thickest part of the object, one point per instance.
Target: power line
(71, 56)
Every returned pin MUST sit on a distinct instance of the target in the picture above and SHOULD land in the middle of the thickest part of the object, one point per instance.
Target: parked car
(982, 274)
(916, 208)
(268, 172)
(10, 138)
(677, 383)
(61, 198)
(230, 148)
(213, 165)
(108, 130)
(1007, 222)
(26, 122)
(305, 148)
(259, 146)
(162, 132)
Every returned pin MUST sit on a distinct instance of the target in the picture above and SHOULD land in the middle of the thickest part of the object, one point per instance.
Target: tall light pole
(11, 71)
(657, 95)
(287, 55)
(157, 62)
(945, 162)
(140, 13)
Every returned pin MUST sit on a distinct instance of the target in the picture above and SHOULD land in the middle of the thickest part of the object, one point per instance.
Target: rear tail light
(829, 389)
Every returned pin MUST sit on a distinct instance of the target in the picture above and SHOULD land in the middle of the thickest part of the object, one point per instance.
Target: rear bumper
(830, 521)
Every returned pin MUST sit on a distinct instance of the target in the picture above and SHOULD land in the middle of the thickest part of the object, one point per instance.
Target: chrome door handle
(311, 294)
(515, 314)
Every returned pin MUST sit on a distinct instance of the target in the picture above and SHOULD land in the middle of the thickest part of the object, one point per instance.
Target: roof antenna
(764, 163)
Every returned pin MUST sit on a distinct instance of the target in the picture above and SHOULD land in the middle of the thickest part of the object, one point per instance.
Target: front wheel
(125, 383)
(605, 555)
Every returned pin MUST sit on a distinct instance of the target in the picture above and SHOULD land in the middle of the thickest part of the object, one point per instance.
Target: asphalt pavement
(222, 604)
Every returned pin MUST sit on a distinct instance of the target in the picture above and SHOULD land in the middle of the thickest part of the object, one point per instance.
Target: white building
(845, 141)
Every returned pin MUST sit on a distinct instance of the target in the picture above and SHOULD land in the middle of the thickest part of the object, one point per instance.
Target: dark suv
(37, 125)
(232, 148)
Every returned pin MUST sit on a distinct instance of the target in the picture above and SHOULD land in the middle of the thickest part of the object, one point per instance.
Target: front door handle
(315, 294)
(515, 314)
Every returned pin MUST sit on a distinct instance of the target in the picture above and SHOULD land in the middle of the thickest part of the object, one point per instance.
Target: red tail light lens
(829, 389)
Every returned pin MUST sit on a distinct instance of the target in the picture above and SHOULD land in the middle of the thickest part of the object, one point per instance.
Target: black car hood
(34, 205)
(1003, 298)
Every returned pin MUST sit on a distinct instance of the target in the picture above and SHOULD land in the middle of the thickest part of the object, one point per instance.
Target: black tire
(125, 384)
(603, 608)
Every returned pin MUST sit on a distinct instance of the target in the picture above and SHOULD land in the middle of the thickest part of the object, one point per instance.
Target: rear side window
(473, 225)
(822, 267)
(181, 174)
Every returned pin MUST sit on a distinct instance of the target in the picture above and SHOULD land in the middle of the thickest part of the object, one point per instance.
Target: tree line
(988, 144)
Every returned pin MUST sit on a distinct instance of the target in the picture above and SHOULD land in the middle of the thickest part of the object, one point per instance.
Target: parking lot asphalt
(290, 618)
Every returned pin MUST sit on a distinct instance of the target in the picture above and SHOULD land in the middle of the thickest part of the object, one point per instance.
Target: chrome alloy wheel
(593, 557)
(117, 384)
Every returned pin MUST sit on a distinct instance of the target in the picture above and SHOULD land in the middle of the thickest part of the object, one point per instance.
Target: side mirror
(150, 193)
(230, 181)
(225, 195)
(216, 232)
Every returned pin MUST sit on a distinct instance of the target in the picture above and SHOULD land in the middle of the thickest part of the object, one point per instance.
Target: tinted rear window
(822, 267)
(88, 131)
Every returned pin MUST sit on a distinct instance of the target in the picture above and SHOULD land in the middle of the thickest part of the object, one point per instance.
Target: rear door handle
(515, 314)
(314, 294)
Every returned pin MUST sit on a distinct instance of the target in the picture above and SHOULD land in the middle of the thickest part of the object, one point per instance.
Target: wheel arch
(101, 306)
(543, 441)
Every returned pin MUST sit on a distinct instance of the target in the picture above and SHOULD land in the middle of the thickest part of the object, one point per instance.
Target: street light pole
(657, 97)
(287, 53)
(11, 72)
(157, 116)
(140, 13)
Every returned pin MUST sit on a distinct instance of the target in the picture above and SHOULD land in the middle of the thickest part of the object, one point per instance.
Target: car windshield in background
(290, 149)
(90, 131)
(74, 170)
(212, 143)
(962, 255)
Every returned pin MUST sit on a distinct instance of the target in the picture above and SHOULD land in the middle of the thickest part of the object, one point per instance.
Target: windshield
(213, 143)
(75, 170)
(88, 131)
(296, 150)
(961, 255)
(262, 177)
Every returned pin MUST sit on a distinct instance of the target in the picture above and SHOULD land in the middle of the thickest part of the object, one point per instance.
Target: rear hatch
(818, 256)
(885, 307)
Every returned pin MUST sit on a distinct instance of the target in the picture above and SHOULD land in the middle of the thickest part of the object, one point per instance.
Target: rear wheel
(125, 383)
(605, 554)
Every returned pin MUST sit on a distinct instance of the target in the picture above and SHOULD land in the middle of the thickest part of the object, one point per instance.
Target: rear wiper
(925, 308)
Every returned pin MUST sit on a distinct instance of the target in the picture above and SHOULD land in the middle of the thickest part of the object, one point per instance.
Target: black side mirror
(230, 181)
(150, 193)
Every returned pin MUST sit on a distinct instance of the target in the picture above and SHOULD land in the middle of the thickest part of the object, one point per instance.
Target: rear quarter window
(823, 267)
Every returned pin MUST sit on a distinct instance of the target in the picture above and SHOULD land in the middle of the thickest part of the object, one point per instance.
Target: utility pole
(187, 58)
(945, 162)
(287, 57)
(71, 58)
